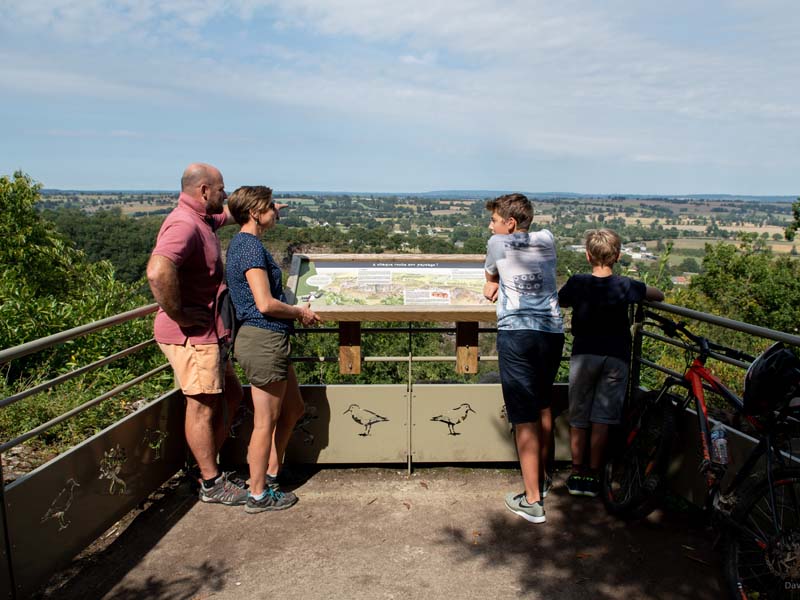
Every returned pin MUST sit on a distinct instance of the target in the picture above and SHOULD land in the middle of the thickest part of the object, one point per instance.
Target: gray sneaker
(223, 491)
(272, 500)
(274, 485)
(518, 504)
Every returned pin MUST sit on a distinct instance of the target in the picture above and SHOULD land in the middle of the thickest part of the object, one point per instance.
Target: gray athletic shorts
(263, 355)
(597, 387)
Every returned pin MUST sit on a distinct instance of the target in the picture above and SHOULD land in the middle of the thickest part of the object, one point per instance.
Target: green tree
(795, 224)
(47, 285)
(110, 235)
(747, 284)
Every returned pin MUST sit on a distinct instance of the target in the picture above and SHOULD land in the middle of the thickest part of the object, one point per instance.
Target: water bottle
(719, 445)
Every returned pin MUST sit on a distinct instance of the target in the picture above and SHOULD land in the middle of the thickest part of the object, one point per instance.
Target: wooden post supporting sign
(349, 348)
(466, 348)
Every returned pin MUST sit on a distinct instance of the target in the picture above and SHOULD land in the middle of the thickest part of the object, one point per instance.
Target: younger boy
(601, 352)
(521, 277)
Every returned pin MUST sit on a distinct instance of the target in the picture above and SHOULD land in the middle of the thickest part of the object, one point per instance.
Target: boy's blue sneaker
(518, 504)
(575, 485)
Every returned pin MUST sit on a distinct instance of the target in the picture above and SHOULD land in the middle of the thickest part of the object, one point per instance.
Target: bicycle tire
(633, 479)
(771, 571)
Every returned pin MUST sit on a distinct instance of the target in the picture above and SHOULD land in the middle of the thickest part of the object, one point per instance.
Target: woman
(262, 343)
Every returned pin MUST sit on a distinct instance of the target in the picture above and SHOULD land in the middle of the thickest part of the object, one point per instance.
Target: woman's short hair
(603, 246)
(513, 205)
(248, 199)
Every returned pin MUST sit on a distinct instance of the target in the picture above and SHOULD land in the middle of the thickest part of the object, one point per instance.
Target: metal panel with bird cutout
(59, 508)
(342, 424)
(460, 423)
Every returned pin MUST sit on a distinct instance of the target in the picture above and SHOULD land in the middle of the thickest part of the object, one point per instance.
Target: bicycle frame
(694, 380)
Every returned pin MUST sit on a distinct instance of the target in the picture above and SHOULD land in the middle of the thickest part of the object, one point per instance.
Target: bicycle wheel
(762, 551)
(633, 478)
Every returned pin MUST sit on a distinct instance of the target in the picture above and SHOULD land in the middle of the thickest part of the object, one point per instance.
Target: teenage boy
(521, 277)
(601, 352)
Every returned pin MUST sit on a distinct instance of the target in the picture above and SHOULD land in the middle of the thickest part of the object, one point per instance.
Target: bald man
(185, 271)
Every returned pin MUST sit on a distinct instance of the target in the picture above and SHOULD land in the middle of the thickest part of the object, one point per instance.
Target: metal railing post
(410, 393)
(636, 368)
(12, 584)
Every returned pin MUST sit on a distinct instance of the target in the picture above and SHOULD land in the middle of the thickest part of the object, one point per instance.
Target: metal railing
(700, 317)
(34, 346)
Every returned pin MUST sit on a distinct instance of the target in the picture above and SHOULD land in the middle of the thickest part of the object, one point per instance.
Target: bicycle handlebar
(672, 329)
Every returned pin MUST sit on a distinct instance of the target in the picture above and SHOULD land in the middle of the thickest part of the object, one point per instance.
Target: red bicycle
(759, 511)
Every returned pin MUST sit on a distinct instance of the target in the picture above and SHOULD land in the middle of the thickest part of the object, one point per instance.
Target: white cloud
(568, 79)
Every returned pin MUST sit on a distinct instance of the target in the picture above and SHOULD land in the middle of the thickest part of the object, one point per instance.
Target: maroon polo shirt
(188, 238)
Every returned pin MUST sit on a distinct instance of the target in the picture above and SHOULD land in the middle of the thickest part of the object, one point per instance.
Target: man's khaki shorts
(198, 368)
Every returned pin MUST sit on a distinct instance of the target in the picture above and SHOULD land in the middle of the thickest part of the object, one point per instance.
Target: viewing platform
(378, 533)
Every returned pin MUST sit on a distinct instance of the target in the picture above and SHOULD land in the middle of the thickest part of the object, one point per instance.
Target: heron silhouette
(364, 417)
(59, 507)
(111, 467)
(454, 416)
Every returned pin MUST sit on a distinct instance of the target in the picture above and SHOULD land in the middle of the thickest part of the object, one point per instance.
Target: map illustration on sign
(403, 280)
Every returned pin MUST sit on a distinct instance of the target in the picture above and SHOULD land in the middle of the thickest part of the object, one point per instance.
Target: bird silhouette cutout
(364, 417)
(110, 468)
(153, 439)
(59, 507)
(454, 416)
(301, 427)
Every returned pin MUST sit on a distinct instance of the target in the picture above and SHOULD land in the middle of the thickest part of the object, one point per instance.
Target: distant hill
(473, 195)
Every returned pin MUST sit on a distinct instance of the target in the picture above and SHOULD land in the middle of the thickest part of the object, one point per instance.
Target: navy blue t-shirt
(244, 253)
(600, 313)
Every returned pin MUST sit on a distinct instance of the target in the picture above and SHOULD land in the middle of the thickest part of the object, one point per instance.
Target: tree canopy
(46, 284)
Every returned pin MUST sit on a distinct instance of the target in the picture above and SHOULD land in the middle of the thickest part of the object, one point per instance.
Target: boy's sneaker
(591, 486)
(547, 486)
(575, 485)
(223, 491)
(272, 500)
(518, 504)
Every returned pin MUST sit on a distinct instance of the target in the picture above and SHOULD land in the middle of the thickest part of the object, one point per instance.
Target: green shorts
(263, 354)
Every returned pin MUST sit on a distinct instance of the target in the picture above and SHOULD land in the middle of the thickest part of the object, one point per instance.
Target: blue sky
(619, 96)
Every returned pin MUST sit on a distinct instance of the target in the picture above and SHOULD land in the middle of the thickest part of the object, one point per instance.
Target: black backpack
(230, 324)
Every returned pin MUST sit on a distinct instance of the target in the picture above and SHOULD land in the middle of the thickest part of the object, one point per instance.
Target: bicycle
(758, 514)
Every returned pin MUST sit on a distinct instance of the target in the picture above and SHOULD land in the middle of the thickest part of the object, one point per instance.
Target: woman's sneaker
(518, 504)
(223, 491)
(273, 483)
(272, 500)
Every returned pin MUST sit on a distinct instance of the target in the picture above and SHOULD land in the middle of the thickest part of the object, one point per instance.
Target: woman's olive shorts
(263, 354)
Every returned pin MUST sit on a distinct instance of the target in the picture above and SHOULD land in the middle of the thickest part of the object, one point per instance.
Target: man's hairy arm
(162, 274)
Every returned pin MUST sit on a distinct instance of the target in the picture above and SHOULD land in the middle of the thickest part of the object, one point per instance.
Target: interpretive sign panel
(436, 287)
(391, 280)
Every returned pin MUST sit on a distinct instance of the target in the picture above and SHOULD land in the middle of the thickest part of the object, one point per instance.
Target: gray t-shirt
(528, 297)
